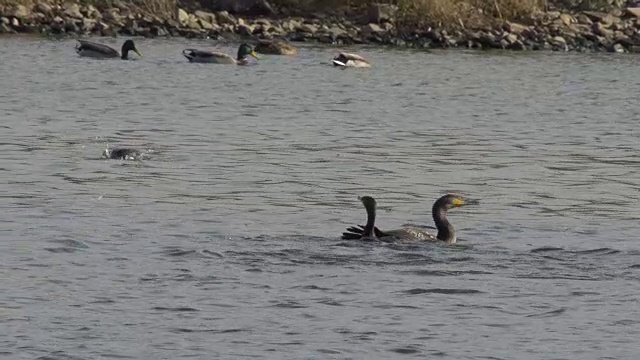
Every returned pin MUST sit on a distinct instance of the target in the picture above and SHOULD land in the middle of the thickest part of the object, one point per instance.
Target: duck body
(275, 47)
(445, 230)
(100, 51)
(122, 154)
(350, 60)
(213, 57)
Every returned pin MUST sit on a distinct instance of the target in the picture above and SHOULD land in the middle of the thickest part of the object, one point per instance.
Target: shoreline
(586, 31)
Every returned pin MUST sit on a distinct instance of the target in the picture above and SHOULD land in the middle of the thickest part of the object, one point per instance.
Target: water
(224, 241)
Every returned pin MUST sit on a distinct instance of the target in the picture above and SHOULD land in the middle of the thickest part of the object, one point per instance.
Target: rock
(600, 29)
(4, 21)
(558, 41)
(15, 22)
(511, 38)
(263, 22)
(307, 28)
(515, 27)
(206, 16)
(371, 29)
(245, 7)
(244, 29)
(19, 11)
(584, 19)
(223, 18)
(5, 29)
(158, 31)
(193, 23)
(205, 24)
(634, 12)
(183, 16)
(88, 24)
(518, 46)
(44, 8)
(290, 25)
(72, 10)
(336, 31)
(90, 11)
(597, 16)
(567, 19)
(71, 27)
(112, 15)
(379, 13)
(171, 24)
(617, 48)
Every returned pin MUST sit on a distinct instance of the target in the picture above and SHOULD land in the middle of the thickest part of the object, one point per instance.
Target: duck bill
(253, 53)
(137, 52)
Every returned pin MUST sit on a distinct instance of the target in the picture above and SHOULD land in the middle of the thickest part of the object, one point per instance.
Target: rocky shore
(615, 31)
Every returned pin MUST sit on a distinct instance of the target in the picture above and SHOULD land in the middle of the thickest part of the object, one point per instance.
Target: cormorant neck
(371, 221)
(446, 232)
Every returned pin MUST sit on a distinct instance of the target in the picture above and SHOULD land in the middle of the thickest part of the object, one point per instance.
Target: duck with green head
(446, 232)
(100, 51)
(203, 56)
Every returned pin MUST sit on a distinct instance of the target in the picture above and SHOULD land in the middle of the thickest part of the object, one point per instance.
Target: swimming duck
(122, 154)
(446, 231)
(203, 56)
(350, 60)
(101, 51)
(275, 47)
(367, 231)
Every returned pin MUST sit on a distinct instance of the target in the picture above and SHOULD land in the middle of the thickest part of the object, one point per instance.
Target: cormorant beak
(471, 202)
(253, 53)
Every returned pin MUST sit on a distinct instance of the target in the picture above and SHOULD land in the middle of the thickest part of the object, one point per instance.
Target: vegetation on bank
(407, 14)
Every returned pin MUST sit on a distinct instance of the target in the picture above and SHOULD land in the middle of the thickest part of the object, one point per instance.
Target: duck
(445, 231)
(350, 60)
(203, 56)
(122, 154)
(275, 47)
(101, 51)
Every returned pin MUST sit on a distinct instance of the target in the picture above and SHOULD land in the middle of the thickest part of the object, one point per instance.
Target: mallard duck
(275, 47)
(122, 154)
(350, 60)
(446, 231)
(101, 51)
(366, 231)
(202, 56)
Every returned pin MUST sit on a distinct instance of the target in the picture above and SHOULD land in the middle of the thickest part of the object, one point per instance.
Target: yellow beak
(253, 53)
(137, 52)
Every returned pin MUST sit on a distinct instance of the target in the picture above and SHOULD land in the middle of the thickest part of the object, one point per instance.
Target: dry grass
(160, 8)
(164, 9)
(463, 13)
(11, 3)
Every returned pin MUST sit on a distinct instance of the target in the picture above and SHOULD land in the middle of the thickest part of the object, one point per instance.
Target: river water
(223, 241)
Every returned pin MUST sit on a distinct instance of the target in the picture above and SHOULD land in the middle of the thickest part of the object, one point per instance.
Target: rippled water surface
(223, 242)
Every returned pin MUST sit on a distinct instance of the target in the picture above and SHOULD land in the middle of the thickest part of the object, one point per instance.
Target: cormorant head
(368, 202)
(129, 46)
(451, 201)
(245, 50)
